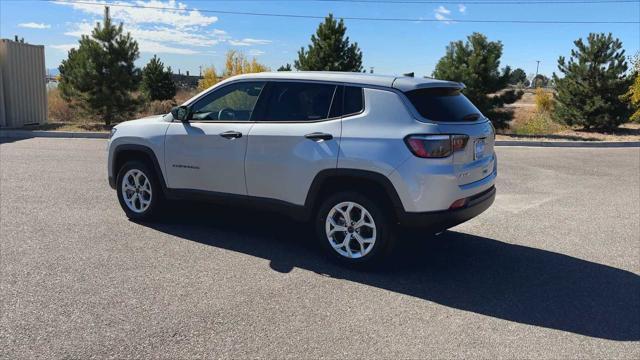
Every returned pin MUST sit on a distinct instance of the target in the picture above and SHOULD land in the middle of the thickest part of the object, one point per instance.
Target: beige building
(23, 94)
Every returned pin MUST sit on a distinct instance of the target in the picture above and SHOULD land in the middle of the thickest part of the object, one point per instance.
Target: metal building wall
(23, 93)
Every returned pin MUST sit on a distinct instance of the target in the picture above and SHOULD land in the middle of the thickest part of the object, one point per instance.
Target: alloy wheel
(350, 230)
(136, 191)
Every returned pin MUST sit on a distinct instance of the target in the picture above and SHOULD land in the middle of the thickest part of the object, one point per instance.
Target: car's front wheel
(353, 229)
(138, 191)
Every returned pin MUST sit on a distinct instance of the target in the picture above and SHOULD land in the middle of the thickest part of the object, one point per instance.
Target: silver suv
(356, 154)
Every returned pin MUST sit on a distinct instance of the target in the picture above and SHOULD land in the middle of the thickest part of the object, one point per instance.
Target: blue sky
(189, 39)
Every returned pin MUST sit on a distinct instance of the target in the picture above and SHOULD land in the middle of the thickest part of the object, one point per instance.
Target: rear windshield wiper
(471, 117)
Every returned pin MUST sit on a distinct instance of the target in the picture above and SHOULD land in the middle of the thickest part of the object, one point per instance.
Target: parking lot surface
(551, 270)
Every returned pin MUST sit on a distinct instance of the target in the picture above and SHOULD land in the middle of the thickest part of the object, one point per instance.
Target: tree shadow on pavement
(463, 271)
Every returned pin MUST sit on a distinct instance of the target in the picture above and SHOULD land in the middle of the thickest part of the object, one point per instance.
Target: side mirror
(180, 113)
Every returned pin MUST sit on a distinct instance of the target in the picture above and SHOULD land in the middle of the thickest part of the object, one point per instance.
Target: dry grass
(59, 110)
(183, 95)
(156, 107)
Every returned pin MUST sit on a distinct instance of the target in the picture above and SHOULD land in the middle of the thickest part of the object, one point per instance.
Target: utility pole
(200, 67)
(535, 77)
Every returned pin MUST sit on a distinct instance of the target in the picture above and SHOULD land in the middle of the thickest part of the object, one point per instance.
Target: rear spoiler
(405, 84)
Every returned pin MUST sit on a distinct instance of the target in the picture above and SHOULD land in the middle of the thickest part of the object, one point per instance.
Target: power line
(468, 2)
(448, 2)
(356, 18)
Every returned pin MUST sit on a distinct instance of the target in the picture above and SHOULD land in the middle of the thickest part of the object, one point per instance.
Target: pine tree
(594, 83)
(476, 64)
(518, 76)
(286, 67)
(100, 75)
(330, 50)
(156, 81)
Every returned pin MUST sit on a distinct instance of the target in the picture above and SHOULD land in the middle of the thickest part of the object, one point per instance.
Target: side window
(234, 102)
(297, 101)
(336, 104)
(353, 100)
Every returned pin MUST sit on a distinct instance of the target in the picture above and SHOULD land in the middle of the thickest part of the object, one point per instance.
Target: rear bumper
(441, 220)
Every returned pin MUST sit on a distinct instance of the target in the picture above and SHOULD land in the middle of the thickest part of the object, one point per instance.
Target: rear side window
(353, 102)
(348, 100)
(296, 101)
(443, 104)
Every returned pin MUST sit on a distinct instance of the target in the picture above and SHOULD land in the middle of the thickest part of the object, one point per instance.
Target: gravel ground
(550, 271)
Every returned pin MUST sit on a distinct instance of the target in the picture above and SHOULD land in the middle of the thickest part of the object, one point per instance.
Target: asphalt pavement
(551, 270)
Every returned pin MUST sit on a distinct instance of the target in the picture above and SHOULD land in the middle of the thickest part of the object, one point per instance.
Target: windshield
(443, 104)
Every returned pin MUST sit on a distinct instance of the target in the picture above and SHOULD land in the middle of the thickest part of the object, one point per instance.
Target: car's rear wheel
(138, 191)
(353, 229)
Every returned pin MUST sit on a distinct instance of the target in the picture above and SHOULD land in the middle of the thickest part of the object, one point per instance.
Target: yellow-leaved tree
(236, 63)
(209, 78)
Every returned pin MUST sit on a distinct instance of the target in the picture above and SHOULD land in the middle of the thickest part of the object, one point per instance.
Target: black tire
(384, 229)
(154, 208)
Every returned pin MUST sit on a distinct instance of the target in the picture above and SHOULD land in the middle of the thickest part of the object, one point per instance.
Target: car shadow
(463, 271)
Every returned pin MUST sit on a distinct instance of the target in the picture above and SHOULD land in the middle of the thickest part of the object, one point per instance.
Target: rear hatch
(456, 115)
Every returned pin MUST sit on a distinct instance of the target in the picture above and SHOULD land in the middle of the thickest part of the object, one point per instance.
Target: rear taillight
(436, 146)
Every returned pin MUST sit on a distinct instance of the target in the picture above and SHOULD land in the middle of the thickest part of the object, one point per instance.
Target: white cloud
(256, 52)
(462, 8)
(63, 47)
(169, 27)
(249, 42)
(151, 41)
(170, 13)
(441, 13)
(442, 10)
(158, 48)
(33, 25)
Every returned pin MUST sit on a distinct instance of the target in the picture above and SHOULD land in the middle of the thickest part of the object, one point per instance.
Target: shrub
(544, 100)
(541, 123)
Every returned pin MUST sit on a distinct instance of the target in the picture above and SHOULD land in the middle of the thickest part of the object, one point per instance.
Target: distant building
(185, 81)
(23, 94)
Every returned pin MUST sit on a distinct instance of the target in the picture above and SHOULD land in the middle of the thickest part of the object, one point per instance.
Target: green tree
(518, 76)
(330, 50)
(476, 64)
(100, 75)
(156, 81)
(286, 67)
(590, 93)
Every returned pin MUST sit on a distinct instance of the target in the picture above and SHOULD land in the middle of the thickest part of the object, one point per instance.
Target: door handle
(317, 136)
(231, 134)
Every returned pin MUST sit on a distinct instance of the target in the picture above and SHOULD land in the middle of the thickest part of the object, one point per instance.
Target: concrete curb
(26, 134)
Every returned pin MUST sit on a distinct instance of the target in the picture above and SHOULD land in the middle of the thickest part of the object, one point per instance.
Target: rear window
(443, 104)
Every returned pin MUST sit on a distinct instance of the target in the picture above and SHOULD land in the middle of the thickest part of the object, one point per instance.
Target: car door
(296, 135)
(207, 152)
